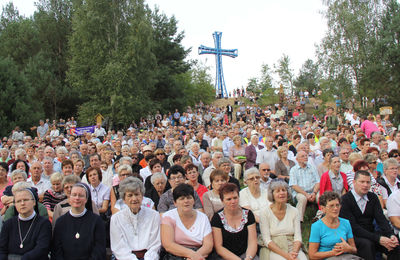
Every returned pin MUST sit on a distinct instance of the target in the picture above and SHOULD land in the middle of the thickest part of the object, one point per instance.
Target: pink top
(368, 127)
(192, 237)
(2, 190)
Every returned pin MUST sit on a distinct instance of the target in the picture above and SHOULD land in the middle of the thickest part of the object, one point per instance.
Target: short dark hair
(176, 169)
(282, 141)
(149, 157)
(183, 190)
(362, 141)
(328, 196)
(191, 166)
(363, 173)
(393, 152)
(99, 174)
(326, 151)
(176, 157)
(227, 188)
(67, 162)
(153, 162)
(217, 172)
(358, 164)
(4, 166)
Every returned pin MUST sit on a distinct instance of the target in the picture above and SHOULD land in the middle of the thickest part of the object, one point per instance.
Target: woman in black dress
(27, 235)
(79, 234)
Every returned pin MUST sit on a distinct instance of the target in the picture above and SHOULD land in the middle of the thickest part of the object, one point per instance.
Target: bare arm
(395, 221)
(251, 241)
(113, 200)
(104, 206)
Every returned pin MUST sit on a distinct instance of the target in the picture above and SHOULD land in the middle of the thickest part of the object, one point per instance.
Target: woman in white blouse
(280, 225)
(100, 192)
(135, 230)
(253, 197)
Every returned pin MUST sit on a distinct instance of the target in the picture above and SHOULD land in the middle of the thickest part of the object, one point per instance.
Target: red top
(200, 191)
(326, 185)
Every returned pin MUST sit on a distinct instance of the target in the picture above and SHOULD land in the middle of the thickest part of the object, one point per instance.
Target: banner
(385, 110)
(78, 131)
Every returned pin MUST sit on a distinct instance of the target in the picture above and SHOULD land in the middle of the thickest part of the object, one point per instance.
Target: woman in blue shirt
(331, 237)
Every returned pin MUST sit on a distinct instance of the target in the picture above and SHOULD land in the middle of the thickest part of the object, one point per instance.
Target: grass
(311, 210)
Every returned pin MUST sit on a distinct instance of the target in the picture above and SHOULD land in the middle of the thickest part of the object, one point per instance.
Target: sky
(261, 30)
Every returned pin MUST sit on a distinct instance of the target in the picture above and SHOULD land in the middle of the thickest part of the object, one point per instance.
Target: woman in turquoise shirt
(331, 237)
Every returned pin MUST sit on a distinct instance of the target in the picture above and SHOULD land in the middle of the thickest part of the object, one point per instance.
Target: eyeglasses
(254, 178)
(395, 155)
(135, 158)
(176, 178)
(337, 206)
(266, 170)
(160, 154)
(374, 162)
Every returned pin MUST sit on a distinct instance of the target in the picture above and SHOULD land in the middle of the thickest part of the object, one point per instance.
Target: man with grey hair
(42, 130)
(268, 154)
(48, 168)
(265, 172)
(36, 180)
(375, 138)
(177, 145)
(214, 164)
(205, 159)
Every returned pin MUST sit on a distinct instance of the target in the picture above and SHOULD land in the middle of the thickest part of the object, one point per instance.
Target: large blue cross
(220, 87)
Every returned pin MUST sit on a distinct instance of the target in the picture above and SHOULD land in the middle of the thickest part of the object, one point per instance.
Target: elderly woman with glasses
(160, 155)
(225, 165)
(253, 197)
(280, 225)
(333, 179)
(331, 237)
(26, 235)
(158, 187)
(283, 165)
(135, 230)
(390, 180)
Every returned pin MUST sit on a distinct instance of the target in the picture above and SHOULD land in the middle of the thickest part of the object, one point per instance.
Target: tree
(285, 73)
(16, 102)
(346, 48)
(309, 76)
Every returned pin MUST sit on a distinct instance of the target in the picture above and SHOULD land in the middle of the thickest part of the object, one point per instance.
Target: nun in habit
(27, 235)
(79, 234)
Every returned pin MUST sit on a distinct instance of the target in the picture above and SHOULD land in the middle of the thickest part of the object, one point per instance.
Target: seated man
(362, 208)
(304, 180)
(393, 210)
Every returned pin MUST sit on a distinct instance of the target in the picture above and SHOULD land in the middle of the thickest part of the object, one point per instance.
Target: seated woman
(283, 165)
(211, 200)
(185, 232)
(55, 194)
(253, 197)
(79, 234)
(4, 182)
(135, 230)
(159, 182)
(333, 179)
(118, 203)
(192, 176)
(280, 225)
(17, 175)
(64, 206)
(331, 237)
(154, 166)
(100, 192)
(237, 153)
(26, 235)
(234, 228)
(324, 166)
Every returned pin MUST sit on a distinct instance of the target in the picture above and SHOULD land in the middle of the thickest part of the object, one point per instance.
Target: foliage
(309, 77)
(16, 102)
(285, 73)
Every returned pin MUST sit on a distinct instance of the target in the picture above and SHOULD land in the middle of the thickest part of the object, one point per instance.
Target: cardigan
(362, 223)
(326, 185)
(280, 167)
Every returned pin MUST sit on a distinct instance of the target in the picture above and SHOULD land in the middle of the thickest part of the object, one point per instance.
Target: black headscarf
(33, 192)
(88, 205)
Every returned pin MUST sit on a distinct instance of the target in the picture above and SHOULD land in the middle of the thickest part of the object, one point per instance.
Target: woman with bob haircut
(135, 230)
(280, 225)
(185, 232)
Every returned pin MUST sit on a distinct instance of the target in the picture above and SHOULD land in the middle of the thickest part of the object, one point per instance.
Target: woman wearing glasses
(253, 197)
(333, 179)
(280, 225)
(26, 235)
(331, 237)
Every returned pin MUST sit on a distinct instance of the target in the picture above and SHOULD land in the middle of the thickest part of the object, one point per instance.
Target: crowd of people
(204, 183)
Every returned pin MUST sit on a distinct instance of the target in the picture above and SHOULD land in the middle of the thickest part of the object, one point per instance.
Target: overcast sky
(261, 30)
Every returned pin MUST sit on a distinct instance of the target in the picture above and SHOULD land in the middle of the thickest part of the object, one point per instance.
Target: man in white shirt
(207, 172)
(268, 154)
(227, 143)
(345, 165)
(395, 143)
(100, 132)
(36, 180)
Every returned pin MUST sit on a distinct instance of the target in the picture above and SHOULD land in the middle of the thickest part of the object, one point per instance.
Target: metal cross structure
(220, 87)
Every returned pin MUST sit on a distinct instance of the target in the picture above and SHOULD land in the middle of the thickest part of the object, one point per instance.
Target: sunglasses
(395, 155)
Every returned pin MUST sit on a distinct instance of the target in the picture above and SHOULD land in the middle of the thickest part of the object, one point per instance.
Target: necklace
(77, 235)
(20, 235)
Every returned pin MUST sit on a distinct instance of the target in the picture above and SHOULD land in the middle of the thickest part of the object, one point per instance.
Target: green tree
(16, 102)
(285, 73)
(309, 76)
